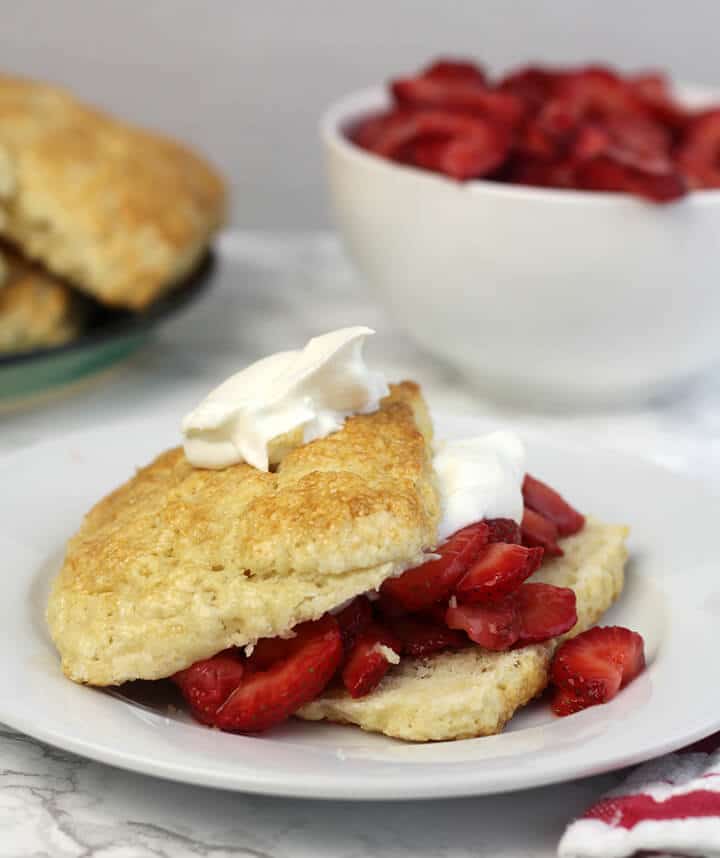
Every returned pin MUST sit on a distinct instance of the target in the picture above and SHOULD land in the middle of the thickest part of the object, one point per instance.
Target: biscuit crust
(180, 563)
(36, 310)
(474, 692)
(120, 212)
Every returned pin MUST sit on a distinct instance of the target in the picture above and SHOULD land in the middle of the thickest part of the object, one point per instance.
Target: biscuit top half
(180, 563)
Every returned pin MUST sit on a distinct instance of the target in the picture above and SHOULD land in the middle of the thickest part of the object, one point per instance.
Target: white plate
(672, 597)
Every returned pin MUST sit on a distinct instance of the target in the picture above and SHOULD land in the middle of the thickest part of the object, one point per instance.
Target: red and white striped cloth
(666, 808)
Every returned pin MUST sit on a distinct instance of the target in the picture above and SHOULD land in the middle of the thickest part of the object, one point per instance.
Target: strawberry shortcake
(312, 551)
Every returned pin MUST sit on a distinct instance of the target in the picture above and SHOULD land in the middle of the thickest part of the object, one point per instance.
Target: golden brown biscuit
(180, 563)
(36, 310)
(474, 692)
(120, 212)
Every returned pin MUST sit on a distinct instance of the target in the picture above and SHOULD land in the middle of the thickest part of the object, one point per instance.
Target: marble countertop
(274, 291)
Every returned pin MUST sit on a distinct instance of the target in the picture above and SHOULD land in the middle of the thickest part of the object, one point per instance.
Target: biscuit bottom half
(474, 692)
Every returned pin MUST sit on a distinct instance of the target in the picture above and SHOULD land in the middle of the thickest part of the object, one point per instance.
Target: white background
(246, 81)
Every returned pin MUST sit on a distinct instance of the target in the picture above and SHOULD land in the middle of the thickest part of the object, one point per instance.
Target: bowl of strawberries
(552, 232)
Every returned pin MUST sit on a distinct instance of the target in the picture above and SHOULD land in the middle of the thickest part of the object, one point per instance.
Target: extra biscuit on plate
(121, 213)
(36, 309)
(474, 692)
(180, 563)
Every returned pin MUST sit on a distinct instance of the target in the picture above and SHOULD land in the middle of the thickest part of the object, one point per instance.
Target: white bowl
(542, 296)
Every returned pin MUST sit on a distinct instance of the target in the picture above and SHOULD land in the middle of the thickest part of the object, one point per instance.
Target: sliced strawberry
(463, 156)
(404, 126)
(651, 85)
(434, 581)
(653, 90)
(207, 684)
(591, 140)
(698, 155)
(388, 606)
(597, 90)
(367, 663)
(477, 154)
(269, 650)
(353, 620)
(559, 119)
(390, 133)
(368, 131)
(455, 70)
(533, 85)
(587, 128)
(469, 96)
(566, 703)
(423, 637)
(541, 498)
(545, 611)
(494, 625)
(639, 141)
(503, 530)
(610, 174)
(434, 614)
(538, 531)
(634, 141)
(474, 152)
(593, 666)
(535, 143)
(426, 152)
(268, 697)
(500, 569)
(552, 174)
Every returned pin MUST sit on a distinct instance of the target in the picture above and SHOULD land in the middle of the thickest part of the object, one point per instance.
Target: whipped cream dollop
(479, 478)
(317, 387)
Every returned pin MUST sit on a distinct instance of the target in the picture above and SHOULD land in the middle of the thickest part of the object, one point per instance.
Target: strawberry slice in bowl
(476, 152)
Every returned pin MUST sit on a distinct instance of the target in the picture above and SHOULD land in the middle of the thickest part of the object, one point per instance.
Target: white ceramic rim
(360, 103)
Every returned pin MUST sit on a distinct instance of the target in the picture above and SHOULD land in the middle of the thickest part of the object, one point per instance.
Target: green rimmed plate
(110, 338)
